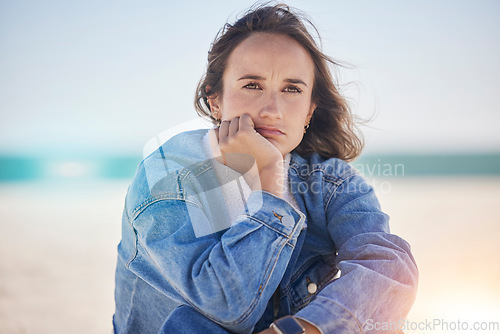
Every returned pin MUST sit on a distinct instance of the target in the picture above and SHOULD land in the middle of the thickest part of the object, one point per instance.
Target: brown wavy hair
(332, 131)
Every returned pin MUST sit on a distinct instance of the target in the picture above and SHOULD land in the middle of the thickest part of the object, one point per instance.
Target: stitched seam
(304, 267)
(337, 181)
(177, 196)
(253, 304)
(326, 176)
(133, 256)
(329, 176)
(200, 169)
(155, 199)
(321, 284)
(306, 301)
(268, 277)
(270, 227)
(128, 324)
(276, 257)
(346, 310)
(179, 291)
(335, 191)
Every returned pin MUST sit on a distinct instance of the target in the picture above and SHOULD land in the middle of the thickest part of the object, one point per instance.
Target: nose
(271, 106)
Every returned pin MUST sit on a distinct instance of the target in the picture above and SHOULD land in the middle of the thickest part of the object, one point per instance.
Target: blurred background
(85, 85)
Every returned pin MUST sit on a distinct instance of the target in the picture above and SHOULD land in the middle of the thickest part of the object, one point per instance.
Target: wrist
(271, 180)
(270, 164)
(310, 328)
(292, 325)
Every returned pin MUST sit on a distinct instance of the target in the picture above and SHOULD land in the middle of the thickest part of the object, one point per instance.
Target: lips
(269, 131)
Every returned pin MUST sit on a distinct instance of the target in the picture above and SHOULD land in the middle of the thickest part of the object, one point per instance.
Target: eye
(292, 89)
(252, 85)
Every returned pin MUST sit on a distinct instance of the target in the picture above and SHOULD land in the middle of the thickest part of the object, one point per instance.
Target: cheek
(233, 105)
(296, 122)
(298, 112)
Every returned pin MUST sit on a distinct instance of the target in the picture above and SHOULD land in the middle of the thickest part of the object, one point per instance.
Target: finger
(223, 130)
(246, 122)
(216, 130)
(234, 126)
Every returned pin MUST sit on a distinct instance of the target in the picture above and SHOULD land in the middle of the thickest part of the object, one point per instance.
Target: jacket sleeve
(227, 276)
(378, 280)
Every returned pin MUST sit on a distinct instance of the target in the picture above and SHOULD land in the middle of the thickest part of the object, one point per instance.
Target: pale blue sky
(105, 76)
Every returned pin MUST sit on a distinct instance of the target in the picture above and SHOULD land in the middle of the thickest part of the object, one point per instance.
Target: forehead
(276, 53)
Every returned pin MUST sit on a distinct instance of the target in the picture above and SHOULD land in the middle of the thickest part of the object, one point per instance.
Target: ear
(213, 102)
(311, 111)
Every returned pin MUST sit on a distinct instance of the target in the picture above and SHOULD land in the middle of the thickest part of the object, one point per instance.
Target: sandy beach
(58, 246)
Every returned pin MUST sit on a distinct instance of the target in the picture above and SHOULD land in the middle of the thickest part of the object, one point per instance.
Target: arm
(227, 277)
(378, 273)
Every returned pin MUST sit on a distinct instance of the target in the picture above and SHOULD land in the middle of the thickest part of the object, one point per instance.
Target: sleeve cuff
(329, 317)
(276, 214)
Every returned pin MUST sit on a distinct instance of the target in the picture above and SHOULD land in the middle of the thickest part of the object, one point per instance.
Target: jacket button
(312, 288)
(288, 221)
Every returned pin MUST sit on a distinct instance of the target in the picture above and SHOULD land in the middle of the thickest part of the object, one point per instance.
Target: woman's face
(270, 77)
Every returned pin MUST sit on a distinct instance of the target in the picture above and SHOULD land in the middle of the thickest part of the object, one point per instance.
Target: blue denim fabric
(174, 252)
(185, 320)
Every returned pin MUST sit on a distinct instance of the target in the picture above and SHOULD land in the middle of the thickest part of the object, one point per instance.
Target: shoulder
(159, 174)
(334, 169)
(332, 179)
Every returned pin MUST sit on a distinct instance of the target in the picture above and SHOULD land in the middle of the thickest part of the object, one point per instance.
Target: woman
(246, 226)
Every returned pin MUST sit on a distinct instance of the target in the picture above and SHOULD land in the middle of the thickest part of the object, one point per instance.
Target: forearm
(378, 282)
(212, 275)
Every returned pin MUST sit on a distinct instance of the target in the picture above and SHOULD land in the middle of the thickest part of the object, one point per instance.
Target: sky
(103, 77)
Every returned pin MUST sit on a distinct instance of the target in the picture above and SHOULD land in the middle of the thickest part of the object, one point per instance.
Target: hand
(238, 138)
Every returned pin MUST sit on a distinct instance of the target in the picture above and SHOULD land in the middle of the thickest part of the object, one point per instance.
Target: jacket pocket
(310, 279)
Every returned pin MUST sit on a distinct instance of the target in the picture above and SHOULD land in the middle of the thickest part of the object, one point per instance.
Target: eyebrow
(258, 77)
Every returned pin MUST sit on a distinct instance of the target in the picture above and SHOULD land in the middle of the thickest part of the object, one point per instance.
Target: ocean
(26, 168)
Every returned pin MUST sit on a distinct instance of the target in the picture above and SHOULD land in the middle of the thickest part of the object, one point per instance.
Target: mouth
(269, 131)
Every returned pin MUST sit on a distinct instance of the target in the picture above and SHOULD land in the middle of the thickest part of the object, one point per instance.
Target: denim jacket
(333, 263)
